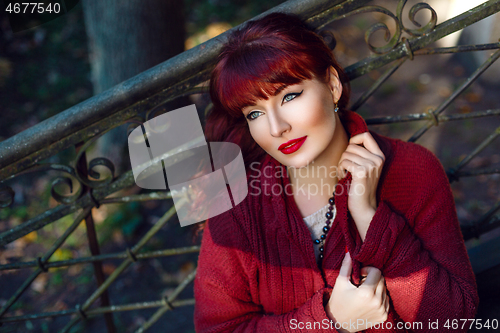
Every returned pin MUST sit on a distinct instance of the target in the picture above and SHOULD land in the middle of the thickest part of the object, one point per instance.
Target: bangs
(259, 71)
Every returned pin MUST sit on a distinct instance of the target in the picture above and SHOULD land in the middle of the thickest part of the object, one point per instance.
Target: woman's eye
(290, 96)
(253, 115)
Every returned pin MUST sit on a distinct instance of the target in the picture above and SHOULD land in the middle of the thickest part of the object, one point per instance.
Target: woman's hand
(368, 302)
(364, 160)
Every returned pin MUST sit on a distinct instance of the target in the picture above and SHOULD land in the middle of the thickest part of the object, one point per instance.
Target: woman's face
(297, 125)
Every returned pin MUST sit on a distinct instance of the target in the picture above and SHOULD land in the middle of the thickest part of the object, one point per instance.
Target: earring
(336, 108)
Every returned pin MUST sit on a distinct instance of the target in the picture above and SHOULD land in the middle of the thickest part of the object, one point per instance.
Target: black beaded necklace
(329, 216)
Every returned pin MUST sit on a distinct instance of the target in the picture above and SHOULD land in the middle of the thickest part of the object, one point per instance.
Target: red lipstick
(292, 145)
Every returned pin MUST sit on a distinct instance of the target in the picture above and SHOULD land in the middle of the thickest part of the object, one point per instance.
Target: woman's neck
(314, 184)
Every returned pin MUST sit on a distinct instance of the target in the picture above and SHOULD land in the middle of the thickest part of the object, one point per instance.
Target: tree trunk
(126, 38)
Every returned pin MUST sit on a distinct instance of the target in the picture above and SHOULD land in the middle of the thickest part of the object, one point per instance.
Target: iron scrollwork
(7, 194)
(400, 27)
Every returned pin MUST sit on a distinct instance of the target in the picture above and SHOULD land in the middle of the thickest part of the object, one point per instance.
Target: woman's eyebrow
(280, 89)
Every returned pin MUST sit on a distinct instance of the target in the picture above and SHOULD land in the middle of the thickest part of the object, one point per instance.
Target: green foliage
(18, 211)
(126, 219)
(56, 279)
(83, 279)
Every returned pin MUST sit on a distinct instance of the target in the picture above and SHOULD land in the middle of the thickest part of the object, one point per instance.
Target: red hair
(257, 60)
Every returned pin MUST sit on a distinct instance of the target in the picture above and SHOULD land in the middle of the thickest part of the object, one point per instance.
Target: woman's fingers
(362, 156)
(363, 152)
(372, 279)
(367, 140)
(356, 159)
(358, 171)
(346, 268)
(379, 292)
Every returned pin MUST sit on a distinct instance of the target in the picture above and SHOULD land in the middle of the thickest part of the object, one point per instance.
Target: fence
(83, 124)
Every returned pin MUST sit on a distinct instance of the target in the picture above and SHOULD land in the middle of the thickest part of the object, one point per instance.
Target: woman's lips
(292, 145)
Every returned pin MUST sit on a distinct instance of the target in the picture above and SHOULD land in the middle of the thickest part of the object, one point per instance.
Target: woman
(342, 230)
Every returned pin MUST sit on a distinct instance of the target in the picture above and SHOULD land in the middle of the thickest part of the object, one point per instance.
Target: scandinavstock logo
(170, 151)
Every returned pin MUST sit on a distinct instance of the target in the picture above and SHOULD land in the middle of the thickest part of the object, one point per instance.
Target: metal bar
(494, 223)
(455, 94)
(484, 219)
(481, 225)
(477, 172)
(138, 197)
(457, 23)
(476, 151)
(49, 216)
(62, 263)
(97, 127)
(93, 242)
(377, 84)
(427, 116)
(124, 265)
(102, 257)
(97, 194)
(168, 306)
(457, 49)
(98, 311)
(139, 306)
(320, 20)
(37, 316)
(44, 259)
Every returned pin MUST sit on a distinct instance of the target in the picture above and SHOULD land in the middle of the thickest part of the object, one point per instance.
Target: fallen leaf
(40, 283)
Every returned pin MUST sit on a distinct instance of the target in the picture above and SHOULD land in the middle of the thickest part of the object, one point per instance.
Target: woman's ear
(334, 83)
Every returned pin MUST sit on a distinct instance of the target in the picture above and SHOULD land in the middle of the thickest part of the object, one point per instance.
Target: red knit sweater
(257, 270)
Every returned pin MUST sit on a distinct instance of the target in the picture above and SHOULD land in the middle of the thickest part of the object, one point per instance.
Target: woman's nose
(278, 125)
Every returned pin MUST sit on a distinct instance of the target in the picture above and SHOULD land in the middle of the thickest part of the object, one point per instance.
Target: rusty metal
(92, 236)
(44, 260)
(484, 224)
(457, 49)
(100, 310)
(425, 116)
(456, 93)
(168, 305)
(416, 43)
(101, 257)
(125, 264)
(452, 173)
(377, 84)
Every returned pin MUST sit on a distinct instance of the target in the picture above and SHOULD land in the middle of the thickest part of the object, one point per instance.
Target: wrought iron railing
(83, 124)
